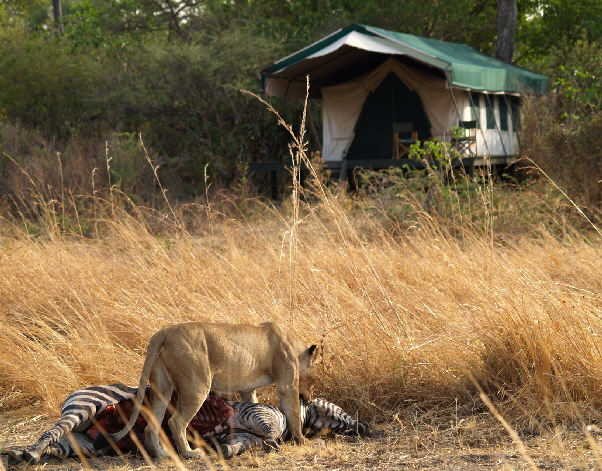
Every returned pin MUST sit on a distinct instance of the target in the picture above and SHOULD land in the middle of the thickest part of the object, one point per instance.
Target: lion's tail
(154, 349)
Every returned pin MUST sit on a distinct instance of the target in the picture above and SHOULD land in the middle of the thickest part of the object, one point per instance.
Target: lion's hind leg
(188, 406)
(160, 395)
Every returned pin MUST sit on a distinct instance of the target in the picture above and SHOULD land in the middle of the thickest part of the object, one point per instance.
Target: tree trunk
(58, 14)
(506, 29)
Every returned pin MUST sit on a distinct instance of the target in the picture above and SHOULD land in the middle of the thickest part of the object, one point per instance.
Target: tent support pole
(478, 118)
(451, 91)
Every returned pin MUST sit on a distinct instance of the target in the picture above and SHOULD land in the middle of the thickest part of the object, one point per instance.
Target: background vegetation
(172, 73)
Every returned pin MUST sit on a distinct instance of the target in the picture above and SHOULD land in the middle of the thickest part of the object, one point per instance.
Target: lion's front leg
(289, 403)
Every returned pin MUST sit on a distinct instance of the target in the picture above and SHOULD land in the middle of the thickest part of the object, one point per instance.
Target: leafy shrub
(43, 85)
(568, 150)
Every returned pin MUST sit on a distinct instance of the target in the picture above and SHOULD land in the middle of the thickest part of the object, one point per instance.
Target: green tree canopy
(173, 69)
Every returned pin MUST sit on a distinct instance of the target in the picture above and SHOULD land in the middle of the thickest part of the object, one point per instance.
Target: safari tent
(369, 79)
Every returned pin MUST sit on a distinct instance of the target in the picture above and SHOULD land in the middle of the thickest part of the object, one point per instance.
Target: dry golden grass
(415, 322)
(410, 323)
(406, 319)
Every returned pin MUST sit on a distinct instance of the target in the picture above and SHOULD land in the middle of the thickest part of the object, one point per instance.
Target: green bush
(182, 95)
(42, 84)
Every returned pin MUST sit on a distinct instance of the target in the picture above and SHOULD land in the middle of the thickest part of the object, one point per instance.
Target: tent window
(475, 110)
(515, 110)
(490, 111)
(503, 113)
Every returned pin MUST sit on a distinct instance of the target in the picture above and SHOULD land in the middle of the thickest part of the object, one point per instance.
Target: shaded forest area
(77, 94)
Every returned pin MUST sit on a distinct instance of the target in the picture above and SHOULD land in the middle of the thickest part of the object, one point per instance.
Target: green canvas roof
(356, 49)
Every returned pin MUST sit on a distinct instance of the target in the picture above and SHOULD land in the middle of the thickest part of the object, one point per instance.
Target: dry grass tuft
(410, 315)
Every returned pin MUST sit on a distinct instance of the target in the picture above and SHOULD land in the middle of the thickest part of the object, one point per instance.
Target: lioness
(196, 357)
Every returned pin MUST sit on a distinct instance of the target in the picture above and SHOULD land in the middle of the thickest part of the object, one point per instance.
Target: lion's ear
(314, 353)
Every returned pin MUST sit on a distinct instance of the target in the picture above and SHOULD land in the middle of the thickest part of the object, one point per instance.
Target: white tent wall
(343, 103)
(492, 140)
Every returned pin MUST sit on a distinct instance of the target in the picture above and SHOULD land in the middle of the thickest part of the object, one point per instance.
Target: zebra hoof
(30, 458)
(227, 451)
(364, 430)
(270, 446)
(14, 456)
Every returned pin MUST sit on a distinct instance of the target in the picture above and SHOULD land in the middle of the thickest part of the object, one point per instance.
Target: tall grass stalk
(410, 312)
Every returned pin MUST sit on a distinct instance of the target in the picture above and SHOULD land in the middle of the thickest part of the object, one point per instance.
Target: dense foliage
(172, 73)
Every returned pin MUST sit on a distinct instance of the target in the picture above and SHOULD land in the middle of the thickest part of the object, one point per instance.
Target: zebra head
(320, 415)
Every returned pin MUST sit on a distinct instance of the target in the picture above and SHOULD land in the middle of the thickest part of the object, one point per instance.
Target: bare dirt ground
(474, 442)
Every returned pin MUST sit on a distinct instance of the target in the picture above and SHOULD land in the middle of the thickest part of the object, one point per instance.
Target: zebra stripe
(321, 415)
(76, 414)
(110, 394)
(262, 419)
(251, 424)
(265, 425)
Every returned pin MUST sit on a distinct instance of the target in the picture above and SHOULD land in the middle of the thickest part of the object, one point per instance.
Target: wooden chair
(403, 137)
(465, 141)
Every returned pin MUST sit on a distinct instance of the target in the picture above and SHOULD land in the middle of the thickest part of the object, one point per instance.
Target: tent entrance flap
(391, 102)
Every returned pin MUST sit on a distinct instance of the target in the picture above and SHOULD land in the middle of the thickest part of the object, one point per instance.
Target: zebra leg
(362, 429)
(75, 417)
(33, 453)
(50, 438)
(270, 445)
(73, 446)
(237, 443)
(253, 424)
(14, 456)
(76, 412)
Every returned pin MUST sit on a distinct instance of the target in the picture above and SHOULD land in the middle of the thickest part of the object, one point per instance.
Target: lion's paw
(192, 454)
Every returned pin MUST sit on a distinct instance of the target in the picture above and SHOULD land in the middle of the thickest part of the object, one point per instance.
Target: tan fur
(193, 358)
